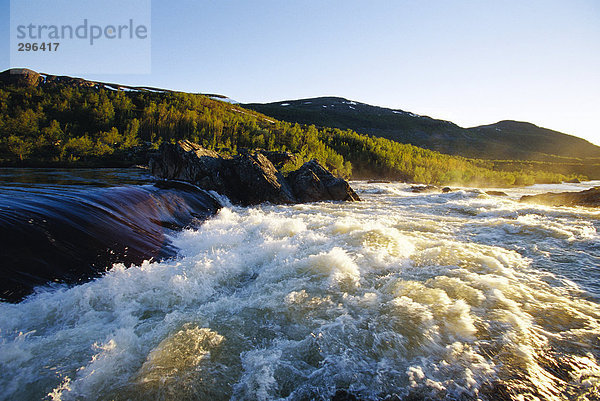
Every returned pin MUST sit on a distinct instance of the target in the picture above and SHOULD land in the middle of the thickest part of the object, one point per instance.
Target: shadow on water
(88, 177)
(71, 233)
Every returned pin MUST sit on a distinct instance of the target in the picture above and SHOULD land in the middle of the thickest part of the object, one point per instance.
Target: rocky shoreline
(588, 198)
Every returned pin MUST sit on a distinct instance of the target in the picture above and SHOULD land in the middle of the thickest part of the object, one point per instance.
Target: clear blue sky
(471, 62)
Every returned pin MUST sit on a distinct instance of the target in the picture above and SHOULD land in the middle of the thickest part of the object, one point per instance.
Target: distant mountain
(505, 140)
(528, 141)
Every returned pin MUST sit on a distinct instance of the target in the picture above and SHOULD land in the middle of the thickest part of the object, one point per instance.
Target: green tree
(20, 147)
(78, 147)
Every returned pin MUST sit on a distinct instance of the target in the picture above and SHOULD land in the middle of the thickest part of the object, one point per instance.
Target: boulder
(247, 179)
(259, 181)
(588, 198)
(312, 182)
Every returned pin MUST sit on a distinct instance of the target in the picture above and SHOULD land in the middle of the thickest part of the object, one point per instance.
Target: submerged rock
(589, 198)
(423, 188)
(496, 193)
(429, 189)
(247, 178)
(378, 181)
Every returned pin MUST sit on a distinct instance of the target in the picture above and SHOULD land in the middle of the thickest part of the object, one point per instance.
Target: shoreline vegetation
(63, 122)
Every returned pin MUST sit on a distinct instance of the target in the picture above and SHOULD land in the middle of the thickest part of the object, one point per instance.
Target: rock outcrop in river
(589, 198)
(248, 178)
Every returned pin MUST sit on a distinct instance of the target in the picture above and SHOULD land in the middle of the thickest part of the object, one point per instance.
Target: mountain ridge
(505, 139)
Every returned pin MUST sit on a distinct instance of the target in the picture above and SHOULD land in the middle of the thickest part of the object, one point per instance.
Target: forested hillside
(62, 121)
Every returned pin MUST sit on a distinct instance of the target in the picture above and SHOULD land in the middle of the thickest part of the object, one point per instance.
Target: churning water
(457, 296)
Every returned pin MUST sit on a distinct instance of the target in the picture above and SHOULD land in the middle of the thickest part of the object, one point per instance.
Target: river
(456, 296)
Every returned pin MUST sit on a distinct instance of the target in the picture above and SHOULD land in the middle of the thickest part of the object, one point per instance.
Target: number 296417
(37, 47)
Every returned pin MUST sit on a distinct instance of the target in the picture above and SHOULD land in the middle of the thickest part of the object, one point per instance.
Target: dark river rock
(588, 198)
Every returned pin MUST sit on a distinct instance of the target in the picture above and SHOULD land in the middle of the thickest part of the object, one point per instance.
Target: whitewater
(454, 296)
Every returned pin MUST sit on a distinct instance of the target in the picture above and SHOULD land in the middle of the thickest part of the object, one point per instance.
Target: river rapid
(403, 296)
